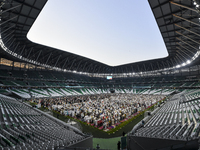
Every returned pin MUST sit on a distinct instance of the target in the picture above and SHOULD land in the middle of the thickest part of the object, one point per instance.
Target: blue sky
(114, 32)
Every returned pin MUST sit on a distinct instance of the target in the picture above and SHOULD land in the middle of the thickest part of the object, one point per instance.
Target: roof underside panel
(178, 22)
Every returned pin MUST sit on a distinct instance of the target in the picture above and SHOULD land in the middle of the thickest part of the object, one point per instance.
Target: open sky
(114, 32)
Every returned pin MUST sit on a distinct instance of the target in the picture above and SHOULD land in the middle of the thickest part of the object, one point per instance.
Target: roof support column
(8, 40)
(57, 60)
(8, 34)
(187, 29)
(65, 62)
(29, 53)
(187, 44)
(79, 64)
(187, 37)
(185, 48)
(22, 50)
(183, 51)
(16, 47)
(48, 58)
(186, 20)
(11, 8)
(180, 5)
(38, 55)
(72, 64)
(7, 29)
(8, 20)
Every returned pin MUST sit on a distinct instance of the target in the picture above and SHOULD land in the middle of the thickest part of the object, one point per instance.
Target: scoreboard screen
(109, 77)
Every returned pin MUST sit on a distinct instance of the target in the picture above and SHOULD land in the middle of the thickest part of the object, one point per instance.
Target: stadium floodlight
(188, 62)
(178, 66)
(195, 3)
(183, 64)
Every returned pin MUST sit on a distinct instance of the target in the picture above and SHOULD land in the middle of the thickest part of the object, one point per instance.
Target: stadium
(53, 99)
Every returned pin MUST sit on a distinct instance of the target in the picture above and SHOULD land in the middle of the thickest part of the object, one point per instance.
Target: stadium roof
(177, 20)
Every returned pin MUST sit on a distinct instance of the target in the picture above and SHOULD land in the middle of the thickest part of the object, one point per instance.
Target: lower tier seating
(24, 127)
(174, 120)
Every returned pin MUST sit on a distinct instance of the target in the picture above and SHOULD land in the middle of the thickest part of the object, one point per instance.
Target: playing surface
(110, 143)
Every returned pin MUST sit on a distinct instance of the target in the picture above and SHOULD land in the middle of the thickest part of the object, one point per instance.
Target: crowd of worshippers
(101, 110)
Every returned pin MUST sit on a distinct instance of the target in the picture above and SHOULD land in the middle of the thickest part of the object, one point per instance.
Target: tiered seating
(167, 91)
(73, 91)
(92, 91)
(176, 85)
(197, 84)
(140, 91)
(17, 73)
(50, 84)
(146, 91)
(62, 84)
(4, 91)
(119, 91)
(128, 91)
(39, 93)
(22, 93)
(55, 92)
(193, 94)
(175, 120)
(66, 91)
(20, 83)
(84, 91)
(58, 75)
(155, 91)
(47, 75)
(3, 73)
(33, 75)
(96, 91)
(188, 84)
(35, 83)
(24, 127)
(78, 90)
(7, 83)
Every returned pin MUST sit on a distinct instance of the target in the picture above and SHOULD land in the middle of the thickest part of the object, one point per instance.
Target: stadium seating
(24, 127)
(176, 120)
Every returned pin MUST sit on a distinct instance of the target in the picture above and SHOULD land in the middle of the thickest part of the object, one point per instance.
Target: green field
(110, 143)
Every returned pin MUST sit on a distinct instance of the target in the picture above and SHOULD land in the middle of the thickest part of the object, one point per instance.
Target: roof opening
(113, 32)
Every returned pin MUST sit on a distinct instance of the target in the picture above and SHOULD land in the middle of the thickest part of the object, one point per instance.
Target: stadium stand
(24, 127)
(38, 73)
(176, 120)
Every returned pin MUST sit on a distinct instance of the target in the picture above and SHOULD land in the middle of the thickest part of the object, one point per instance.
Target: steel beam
(11, 8)
(7, 29)
(187, 43)
(197, 24)
(183, 51)
(38, 55)
(185, 48)
(57, 60)
(65, 62)
(187, 37)
(187, 30)
(183, 6)
(8, 20)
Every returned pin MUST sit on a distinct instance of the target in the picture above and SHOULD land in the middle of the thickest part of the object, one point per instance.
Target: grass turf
(110, 144)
